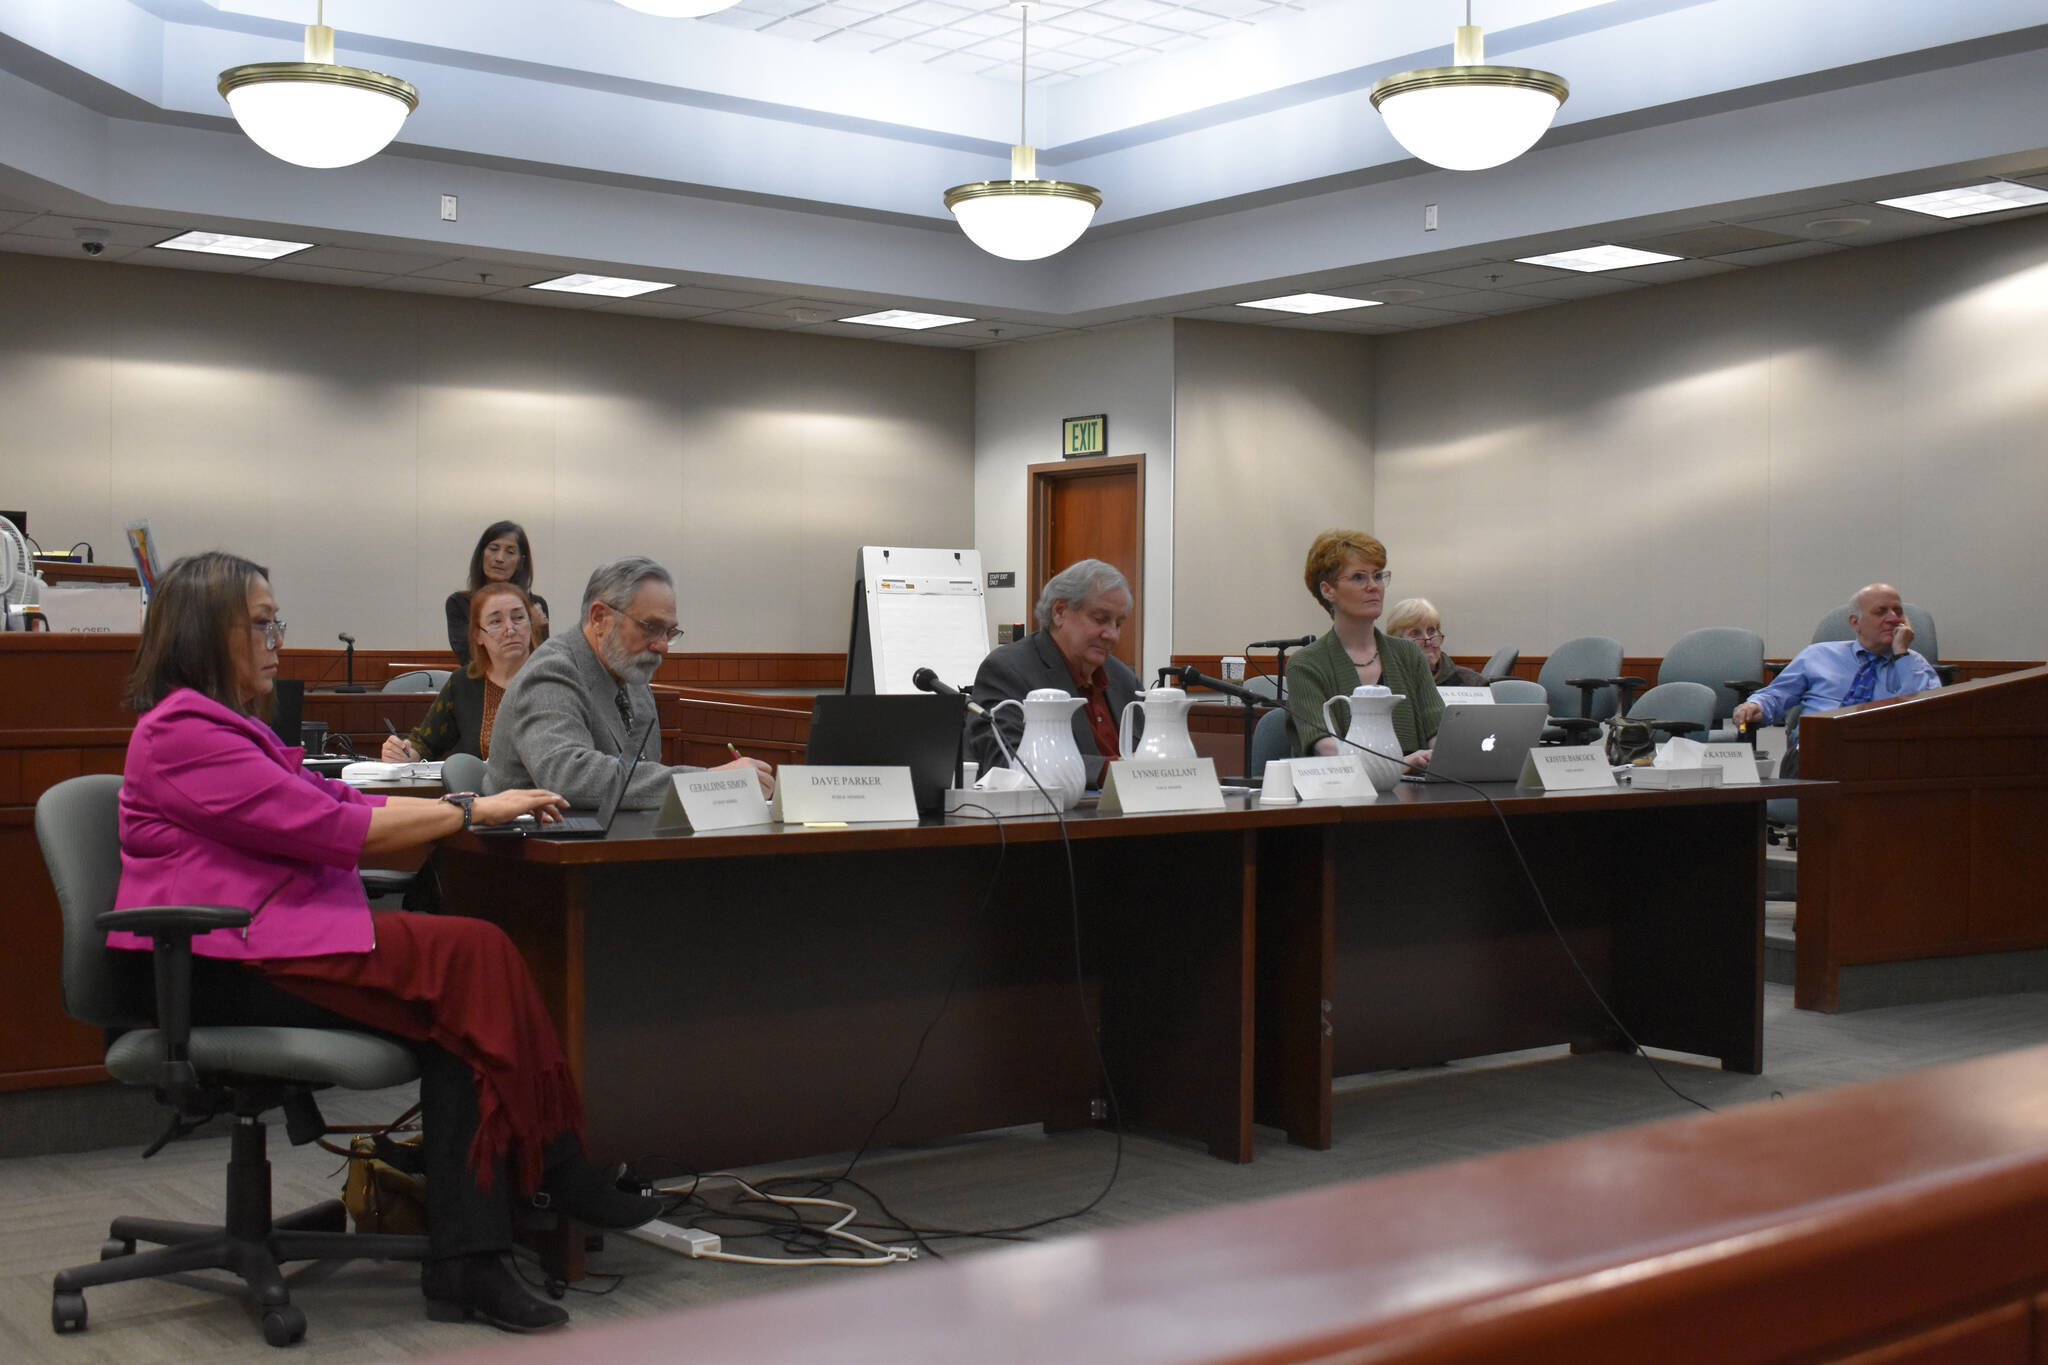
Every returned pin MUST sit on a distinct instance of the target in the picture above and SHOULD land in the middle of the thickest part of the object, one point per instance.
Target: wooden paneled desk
(756, 995)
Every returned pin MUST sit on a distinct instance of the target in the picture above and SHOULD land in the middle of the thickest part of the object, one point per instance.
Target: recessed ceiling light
(1994, 196)
(906, 319)
(1836, 227)
(608, 285)
(1595, 258)
(225, 244)
(1310, 303)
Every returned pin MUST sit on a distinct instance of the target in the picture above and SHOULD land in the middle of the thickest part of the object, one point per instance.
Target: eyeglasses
(517, 621)
(1383, 577)
(272, 632)
(1422, 635)
(653, 630)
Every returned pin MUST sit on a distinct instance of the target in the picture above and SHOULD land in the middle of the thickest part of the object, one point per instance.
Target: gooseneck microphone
(1191, 677)
(346, 638)
(924, 680)
(351, 685)
(1303, 642)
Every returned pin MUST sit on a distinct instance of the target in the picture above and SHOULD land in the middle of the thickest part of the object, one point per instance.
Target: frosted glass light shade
(679, 9)
(1023, 220)
(1466, 122)
(317, 114)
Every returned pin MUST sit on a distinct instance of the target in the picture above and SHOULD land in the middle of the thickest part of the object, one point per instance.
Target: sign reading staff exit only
(1082, 436)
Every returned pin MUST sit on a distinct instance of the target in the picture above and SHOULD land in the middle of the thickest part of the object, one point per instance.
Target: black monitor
(921, 733)
(20, 519)
(287, 707)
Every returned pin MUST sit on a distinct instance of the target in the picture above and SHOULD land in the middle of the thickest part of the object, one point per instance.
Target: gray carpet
(54, 1210)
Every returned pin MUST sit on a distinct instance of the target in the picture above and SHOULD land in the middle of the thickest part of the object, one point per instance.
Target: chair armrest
(1576, 729)
(1742, 687)
(172, 921)
(1677, 727)
(1632, 683)
(1947, 674)
(1589, 682)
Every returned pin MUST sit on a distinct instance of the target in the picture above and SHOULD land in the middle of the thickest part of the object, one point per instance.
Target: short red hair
(1329, 554)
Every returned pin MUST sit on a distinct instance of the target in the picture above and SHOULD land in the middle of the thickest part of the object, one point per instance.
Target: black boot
(479, 1286)
(579, 1189)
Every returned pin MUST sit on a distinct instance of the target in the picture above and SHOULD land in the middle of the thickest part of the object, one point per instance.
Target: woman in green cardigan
(1347, 575)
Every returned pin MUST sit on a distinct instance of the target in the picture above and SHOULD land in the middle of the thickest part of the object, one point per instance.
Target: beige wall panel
(1021, 394)
(359, 441)
(1744, 449)
(55, 377)
(1272, 446)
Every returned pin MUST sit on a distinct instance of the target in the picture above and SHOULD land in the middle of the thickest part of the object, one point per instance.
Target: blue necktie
(1864, 684)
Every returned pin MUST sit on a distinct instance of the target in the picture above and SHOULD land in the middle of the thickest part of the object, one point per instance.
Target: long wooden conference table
(761, 994)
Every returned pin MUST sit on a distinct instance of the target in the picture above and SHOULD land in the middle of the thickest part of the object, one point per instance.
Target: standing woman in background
(502, 555)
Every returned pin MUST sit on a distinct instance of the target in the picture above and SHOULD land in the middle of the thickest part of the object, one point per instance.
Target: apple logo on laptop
(1486, 745)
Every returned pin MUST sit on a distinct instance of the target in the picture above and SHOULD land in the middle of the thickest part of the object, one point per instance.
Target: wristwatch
(466, 800)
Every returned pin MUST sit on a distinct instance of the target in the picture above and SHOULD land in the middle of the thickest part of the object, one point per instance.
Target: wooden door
(1091, 509)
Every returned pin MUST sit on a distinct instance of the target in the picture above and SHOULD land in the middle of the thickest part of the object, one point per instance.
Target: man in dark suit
(1080, 617)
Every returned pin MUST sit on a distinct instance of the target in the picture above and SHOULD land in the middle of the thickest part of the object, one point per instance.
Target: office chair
(1512, 690)
(417, 680)
(462, 773)
(1586, 664)
(1728, 660)
(198, 1073)
(1501, 664)
(1269, 741)
(1677, 708)
(1835, 626)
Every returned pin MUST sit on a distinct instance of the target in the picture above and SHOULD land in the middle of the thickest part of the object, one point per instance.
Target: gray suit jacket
(1009, 672)
(559, 728)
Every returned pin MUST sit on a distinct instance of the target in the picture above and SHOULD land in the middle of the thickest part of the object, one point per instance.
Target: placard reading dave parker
(717, 798)
(812, 795)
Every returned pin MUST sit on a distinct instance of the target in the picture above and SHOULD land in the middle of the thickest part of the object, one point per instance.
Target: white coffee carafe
(1372, 725)
(1047, 748)
(1166, 725)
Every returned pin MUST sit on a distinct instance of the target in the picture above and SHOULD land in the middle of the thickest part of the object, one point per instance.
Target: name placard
(814, 795)
(1738, 764)
(1466, 696)
(1339, 778)
(1570, 768)
(1145, 786)
(717, 798)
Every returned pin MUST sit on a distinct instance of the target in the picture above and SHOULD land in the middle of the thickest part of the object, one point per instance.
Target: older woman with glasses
(1415, 619)
(215, 811)
(1347, 575)
(501, 627)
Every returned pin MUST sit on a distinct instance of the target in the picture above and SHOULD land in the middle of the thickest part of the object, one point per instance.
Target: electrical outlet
(686, 1241)
(1429, 217)
(447, 208)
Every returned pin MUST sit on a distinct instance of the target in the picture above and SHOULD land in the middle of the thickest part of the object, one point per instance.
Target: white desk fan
(19, 585)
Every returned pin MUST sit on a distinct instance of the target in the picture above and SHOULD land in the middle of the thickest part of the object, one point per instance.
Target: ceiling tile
(290, 269)
(1715, 239)
(377, 262)
(1492, 275)
(195, 260)
(548, 298)
(651, 310)
(1771, 254)
(502, 274)
(61, 247)
(66, 229)
(426, 284)
(9, 221)
(771, 322)
(695, 296)
(1578, 286)
(1480, 302)
(1665, 272)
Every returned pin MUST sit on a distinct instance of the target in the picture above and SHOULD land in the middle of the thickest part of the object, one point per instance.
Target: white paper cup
(1233, 668)
(1278, 787)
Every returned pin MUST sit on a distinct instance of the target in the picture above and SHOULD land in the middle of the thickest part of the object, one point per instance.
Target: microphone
(346, 638)
(1190, 677)
(1303, 643)
(924, 680)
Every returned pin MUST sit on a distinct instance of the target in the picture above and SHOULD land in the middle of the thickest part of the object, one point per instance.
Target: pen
(392, 728)
(733, 750)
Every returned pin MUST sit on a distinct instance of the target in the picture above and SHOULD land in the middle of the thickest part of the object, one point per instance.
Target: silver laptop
(1486, 743)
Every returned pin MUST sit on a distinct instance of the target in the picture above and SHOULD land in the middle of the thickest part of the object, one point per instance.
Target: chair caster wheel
(281, 1326)
(115, 1246)
(67, 1312)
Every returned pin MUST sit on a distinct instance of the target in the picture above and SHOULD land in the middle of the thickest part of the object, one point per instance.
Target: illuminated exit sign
(1084, 436)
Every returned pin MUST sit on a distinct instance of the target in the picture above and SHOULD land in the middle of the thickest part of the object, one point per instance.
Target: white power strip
(684, 1241)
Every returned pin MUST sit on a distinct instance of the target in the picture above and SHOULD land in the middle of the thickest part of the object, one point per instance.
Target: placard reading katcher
(1571, 768)
(717, 798)
(1146, 786)
(809, 794)
(1339, 777)
(1738, 764)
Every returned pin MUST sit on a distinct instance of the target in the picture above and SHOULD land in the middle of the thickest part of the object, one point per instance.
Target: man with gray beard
(584, 696)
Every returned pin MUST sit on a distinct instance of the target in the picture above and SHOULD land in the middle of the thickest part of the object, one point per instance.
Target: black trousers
(462, 1217)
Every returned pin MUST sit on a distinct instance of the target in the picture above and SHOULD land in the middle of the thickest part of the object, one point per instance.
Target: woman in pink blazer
(215, 811)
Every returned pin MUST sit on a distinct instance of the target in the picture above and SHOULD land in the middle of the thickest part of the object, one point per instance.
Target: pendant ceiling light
(315, 113)
(1023, 218)
(679, 9)
(1469, 116)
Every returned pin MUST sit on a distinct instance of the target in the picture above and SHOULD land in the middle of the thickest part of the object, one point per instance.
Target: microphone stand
(351, 685)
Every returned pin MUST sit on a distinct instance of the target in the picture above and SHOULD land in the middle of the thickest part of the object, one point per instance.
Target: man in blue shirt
(1878, 663)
